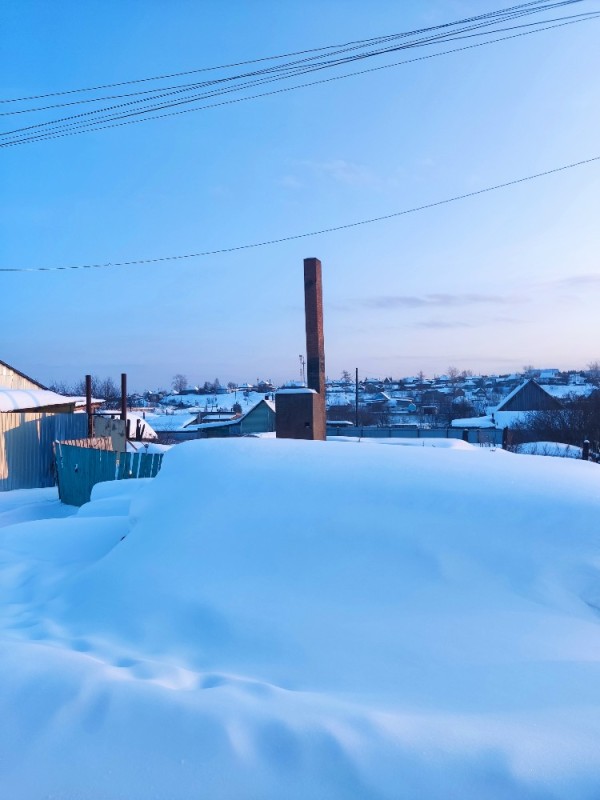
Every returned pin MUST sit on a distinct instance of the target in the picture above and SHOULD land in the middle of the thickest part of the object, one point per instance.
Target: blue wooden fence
(79, 469)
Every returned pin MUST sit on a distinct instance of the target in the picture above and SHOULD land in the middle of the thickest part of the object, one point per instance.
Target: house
(258, 419)
(527, 397)
(549, 375)
(379, 400)
(211, 416)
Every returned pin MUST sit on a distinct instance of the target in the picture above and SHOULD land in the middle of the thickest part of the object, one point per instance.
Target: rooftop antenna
(302, 365)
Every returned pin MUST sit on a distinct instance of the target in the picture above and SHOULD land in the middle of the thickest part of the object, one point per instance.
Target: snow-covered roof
(549, 373)
(22, 399)
(473, 422)
(227, 423)
(493, 419)
(296, 391)
(560, 391)
(82, 401)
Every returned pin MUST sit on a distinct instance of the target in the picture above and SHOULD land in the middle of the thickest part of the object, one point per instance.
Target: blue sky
(489, 283)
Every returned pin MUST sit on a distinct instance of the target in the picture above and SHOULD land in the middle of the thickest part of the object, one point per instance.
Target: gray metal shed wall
(26, 457)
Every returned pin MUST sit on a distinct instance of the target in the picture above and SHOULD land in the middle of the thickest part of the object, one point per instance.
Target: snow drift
(272, 618)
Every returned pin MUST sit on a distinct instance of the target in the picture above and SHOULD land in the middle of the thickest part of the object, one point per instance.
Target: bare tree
(453, 374)
(179, 383)
(102, 389)
(577, 420)
(461, 409)
(339, 413)
(594, 372)
(61, 387)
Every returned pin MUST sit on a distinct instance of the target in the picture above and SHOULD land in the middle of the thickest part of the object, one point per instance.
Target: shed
(529, 396)
(31, 417)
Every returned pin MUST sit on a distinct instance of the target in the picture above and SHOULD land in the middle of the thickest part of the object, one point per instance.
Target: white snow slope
(308, 620)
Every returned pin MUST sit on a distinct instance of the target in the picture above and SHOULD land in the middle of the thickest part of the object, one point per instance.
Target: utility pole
(356, 400)
(88, 406)
(302, 363)
(124, 401)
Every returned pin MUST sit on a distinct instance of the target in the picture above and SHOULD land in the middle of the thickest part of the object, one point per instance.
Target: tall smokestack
(301, 413)
(315, 342)
(313, 311)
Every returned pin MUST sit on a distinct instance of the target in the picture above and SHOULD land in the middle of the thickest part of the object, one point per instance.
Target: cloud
(510, 320)
(440, 324)
(573, 281)
(345, 172)
(290, 182)
(440, 300)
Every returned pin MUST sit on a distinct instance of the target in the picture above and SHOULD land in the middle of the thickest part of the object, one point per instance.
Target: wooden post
(356, 401)
(88, 406)
(124, 400)
(585, 452)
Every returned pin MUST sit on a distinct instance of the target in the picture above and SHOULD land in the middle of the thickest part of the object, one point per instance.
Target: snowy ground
(550, 449)
(275, 619)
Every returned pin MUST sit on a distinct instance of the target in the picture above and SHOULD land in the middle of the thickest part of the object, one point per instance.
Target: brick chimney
(301, 413)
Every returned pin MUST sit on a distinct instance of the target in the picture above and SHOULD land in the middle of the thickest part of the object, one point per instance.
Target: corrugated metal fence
(79, 469)
(26, 458)
(481, 436)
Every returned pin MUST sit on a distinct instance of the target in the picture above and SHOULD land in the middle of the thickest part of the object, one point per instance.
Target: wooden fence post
(585, 452)
(88, 406)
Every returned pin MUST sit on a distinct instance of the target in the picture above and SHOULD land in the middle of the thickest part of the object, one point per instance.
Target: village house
(527, 397)
(258, 419)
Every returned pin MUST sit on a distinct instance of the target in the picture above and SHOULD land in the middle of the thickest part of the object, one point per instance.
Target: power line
(320, 232)
(535, 6)
(87, 127)
(299, 64)
(281, 72)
